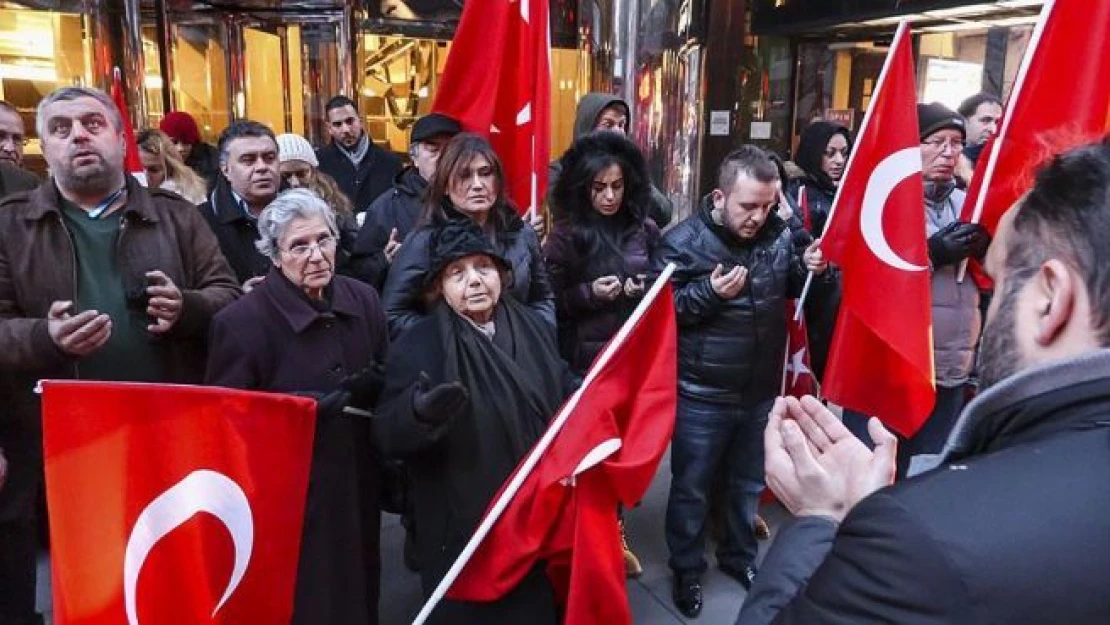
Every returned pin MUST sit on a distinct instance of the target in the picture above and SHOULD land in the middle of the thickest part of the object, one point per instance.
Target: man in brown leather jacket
(100, 279)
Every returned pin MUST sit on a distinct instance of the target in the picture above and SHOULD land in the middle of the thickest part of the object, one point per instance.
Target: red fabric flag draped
(1069, 53)
(497, 83)
(174, 504)
(131, 161)
(618, 428)
(797, 375)
(881, 358)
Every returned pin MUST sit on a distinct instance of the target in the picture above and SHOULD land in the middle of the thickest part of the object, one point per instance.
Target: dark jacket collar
(1072, 394)
(47, 199)
(295, 307)
(225, 205)
(410, 182)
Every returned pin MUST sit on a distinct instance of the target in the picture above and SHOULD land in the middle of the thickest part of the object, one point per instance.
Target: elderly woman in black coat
(306, 329)
(470, 389)
(469, 183)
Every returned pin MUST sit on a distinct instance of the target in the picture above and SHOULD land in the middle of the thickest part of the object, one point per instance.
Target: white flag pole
(902, 32)
(996, 147)
(541, 447)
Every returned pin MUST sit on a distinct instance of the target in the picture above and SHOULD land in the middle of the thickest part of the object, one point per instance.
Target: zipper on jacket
(73, 264)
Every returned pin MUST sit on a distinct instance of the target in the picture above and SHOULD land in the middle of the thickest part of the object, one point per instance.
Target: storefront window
(40, 51)
(200, 83)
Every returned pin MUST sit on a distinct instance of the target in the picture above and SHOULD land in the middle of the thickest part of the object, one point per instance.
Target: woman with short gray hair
(306, 329)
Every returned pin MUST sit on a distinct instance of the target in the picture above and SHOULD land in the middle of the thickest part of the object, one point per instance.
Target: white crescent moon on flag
(200, 491)
(889, 174)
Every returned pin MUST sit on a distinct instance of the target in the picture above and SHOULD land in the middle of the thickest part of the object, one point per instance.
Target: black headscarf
(815, 138)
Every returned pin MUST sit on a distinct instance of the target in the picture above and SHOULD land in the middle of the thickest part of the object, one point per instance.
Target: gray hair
(66, 94)
(286, 207)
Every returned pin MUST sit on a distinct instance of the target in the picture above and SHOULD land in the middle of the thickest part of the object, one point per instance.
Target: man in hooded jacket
(606, 112)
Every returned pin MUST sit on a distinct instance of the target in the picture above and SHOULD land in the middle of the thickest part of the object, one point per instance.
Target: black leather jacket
(731, 351)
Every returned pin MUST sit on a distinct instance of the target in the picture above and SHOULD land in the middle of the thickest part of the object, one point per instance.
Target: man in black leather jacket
(736, 267)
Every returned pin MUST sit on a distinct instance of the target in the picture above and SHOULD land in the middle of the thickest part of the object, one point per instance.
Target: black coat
(274, 339)
(457, 467)
(13, 180)
(235, 231)
(731, 351)
(363, 184)
(1012, 528)
(585, 323)
(404, 288)
(398, 208)
(204, 159)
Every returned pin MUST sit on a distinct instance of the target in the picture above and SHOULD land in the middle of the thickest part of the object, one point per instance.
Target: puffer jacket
(956, 319)
(586, 323)
(731, 351)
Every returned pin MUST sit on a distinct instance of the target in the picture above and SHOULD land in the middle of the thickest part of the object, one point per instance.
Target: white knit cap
(293, 147)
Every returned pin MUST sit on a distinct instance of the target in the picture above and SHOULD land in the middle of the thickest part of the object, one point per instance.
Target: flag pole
(996, 145)
(902, 32)
(541, 447)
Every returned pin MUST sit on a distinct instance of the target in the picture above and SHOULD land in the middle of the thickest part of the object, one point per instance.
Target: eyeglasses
(940, 144)
(16, 139)
(303, 250)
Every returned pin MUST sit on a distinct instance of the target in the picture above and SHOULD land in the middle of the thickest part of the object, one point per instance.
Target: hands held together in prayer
(816, 467)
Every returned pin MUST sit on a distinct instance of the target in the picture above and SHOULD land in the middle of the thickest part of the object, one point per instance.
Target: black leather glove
(365, 386)
(330, 405)
(436, 406)
(957, 241)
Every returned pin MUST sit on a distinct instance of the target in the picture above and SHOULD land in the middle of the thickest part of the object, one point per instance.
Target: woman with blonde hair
(165, 169)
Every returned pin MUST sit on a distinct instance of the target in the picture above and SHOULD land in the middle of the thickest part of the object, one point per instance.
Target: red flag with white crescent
(132, 163)
(881, 357)
(497, 83)
(1069, 53)
(174, 504)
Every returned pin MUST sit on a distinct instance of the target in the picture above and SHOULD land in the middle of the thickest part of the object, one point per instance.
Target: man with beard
(100, 279)
(736, 267)
(983, 112)
(248, 183)
(1011, 526)
(363, 170)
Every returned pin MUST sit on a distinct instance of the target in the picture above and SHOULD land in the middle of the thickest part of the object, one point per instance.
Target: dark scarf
(514, 381)
(811, 147)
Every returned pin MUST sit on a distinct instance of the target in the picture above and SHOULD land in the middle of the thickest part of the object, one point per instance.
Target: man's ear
(718, 199)
(1055, 288)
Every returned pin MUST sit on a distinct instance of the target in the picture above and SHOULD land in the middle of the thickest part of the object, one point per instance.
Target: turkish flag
(610, 437)
(131, 161)
(1069, 53)
(174, 504)
(881, 356)
(497, 83)
(797, 375)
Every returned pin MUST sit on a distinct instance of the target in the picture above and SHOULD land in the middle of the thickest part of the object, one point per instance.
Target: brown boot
(762, 531)
(632, 567)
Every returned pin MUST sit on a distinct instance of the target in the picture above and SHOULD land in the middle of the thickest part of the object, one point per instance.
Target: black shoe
(745, 575)
(687, 594)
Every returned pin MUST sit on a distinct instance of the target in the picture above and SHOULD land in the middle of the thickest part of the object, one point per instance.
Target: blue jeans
(932, 436)
(711, 438)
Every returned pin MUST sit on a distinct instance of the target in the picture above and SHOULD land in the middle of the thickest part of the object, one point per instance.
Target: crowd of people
(420, 294)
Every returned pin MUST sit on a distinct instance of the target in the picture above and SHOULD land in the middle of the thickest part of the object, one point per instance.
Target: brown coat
(38, 266)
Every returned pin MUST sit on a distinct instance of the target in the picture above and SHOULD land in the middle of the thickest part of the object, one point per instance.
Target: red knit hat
(181, 127)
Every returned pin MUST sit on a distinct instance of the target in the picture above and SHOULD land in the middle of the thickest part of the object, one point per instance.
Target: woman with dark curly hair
(599, 251)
